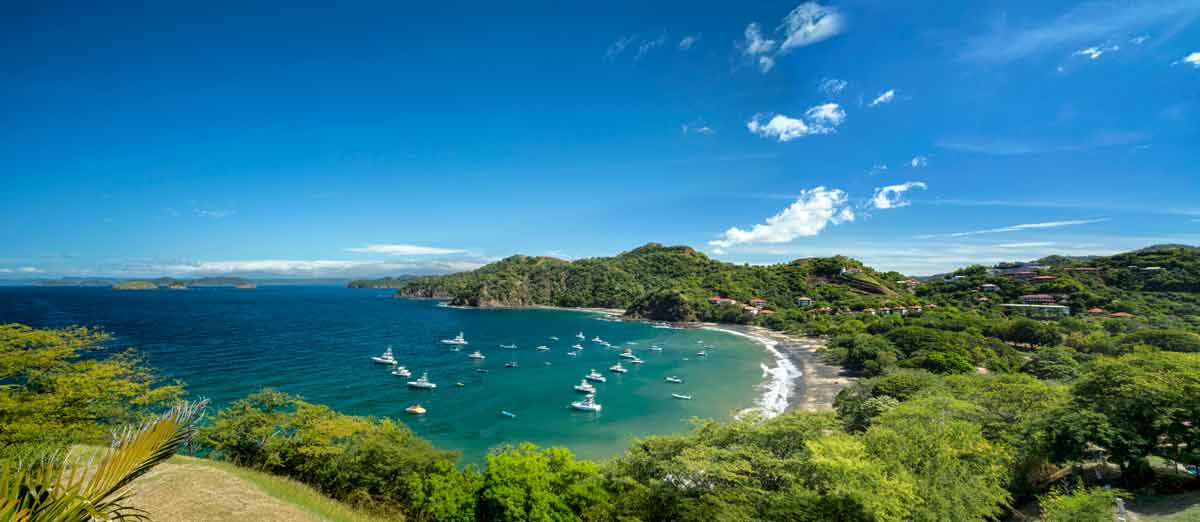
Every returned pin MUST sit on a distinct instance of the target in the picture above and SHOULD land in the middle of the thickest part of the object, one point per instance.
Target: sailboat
(386, 358)
(459, 339)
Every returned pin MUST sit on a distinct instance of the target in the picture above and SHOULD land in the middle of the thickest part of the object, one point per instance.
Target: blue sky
(367, 140)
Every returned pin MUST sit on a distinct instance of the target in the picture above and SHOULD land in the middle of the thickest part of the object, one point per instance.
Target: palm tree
(55, 488)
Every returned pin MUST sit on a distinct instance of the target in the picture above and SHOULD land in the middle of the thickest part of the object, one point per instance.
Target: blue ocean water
(316, 341)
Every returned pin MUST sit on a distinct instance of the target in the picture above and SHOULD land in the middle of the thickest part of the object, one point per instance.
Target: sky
(192, 139)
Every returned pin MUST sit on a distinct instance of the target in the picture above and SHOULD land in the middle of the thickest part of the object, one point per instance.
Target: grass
(1184, 507)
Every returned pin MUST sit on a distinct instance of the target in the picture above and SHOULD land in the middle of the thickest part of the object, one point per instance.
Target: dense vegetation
(383, 282)
(170, 282)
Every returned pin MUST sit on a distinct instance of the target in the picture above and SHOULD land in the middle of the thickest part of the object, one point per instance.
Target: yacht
(587, 404)
(543, 348)
(656, 348)
(553, 337)
(674, 379)
(509, 346)
(415, 409)
(401, 371)
(684, 397)
(422, 382)
(481, 370)
(573, 354)
(628, 354)
(460, 385)
(595, 376)
(597, 339)
(386, 358)
(511, 364)
(477, 355)
(580, 336)
(635, 360)
(460, 339)
(508, 414)
(701, 353)
(585, 387)
(617, 368)
(577, 346)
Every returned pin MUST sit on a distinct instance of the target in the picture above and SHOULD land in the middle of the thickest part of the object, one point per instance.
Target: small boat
(401, 371)
(459, 384)
(635, 360)
(585, 387)
(631, 343)
(553, 337)
(577, 346)
(481, 370)
(422, 382)
(459, 339)
(656, 348)
(573, 354)
(674, 379)
(508, 414)
(617, 368)
(477, 355)
(628, 354)
(386, 358)
(587, 404)
(455, 349)
(510, 364)
(701, 353)
(509, 346)
(580, 336)
(595, 376)
(597, 339)
(684, 397)
(543, 348)
(415, 409)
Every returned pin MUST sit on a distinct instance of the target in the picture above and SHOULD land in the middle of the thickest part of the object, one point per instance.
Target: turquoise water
(316, 342)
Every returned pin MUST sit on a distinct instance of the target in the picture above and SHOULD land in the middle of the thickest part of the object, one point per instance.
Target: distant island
(386, 282)
(170, 283)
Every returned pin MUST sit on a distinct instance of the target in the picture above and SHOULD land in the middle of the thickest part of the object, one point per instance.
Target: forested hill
(661, 282)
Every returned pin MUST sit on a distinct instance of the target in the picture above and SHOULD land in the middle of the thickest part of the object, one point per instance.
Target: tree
(1081, 505)
(525, 483)
(59, 388)
(1052, 362)
(1024, 330)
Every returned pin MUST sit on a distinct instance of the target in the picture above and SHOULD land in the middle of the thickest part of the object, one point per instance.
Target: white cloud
(688, 41)
(832, 86)
(826, 116)
(808, 216)
(1139, 39)
(29, 270)
(878, 168)
(886, 97)
(699, 128)
(1084, 23)
(404, 250)
(1095, 52)
(1193, 59)
(1018, 228)
(618, 46)
(302, 268)
(892, 196)
(1024, 245)
(807, 24)
(649, 45)
(821, 119)
(214, 213)
(810, 23)
(918, 161)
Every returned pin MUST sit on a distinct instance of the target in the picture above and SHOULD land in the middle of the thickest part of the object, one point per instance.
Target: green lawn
(1184, 507)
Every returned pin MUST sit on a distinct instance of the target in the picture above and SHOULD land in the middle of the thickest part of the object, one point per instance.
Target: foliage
(524, 483)
(59, 387)
(1080, 505)
(1052, 362)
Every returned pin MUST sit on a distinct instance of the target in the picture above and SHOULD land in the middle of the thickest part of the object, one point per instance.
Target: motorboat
(656, 348)
(577, 346)
(459, 339)
(386, 358)
(459, 384)
(597, 339)
(587, 404)
(573, 354)
(585, 387)
(635, 360)
(511, 364)
(422, 382)
(481, 370)
(477, 355)
(509, 346)
(683, 397)
(628, 354)
(580, 336)
(543, 348)
(415, 409)
(553, 337)
(674, 380)
(401, 371)
(595, 376)
(508, 414)
(617, 368)
(701, 353)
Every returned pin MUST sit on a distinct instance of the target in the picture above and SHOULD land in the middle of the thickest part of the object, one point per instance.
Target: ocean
(316, 341)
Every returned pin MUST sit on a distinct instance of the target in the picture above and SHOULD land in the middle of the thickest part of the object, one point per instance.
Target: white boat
(580, 336)
(509, 346)
(635, 360)
(617, 368)
(628, 354)
(573, 354)
(415, 409)
(511, 364)
(553, 337)
(595, 376)
(460, 339)
(401, 371)
(422, 382)
(684, 397)
(577, 346)
(585, 387)
(631, 343)
(587, 404)
(543, 348)
(656, 348)
(597, 339)
(674, 379)
(701, 353)
(477, 355)
(386, 358)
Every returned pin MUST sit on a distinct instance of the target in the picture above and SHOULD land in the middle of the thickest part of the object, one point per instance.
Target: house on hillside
(1121, 315)
(847, 270)
(989, 287)
(758, 302)
(804, 302)
(1043, 278)
(1038, 310)
(718, 300)
(1084, 269)
(1097, 311)
(1036, 299)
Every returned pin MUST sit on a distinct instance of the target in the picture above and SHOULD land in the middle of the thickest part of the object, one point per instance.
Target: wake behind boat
(459, 340)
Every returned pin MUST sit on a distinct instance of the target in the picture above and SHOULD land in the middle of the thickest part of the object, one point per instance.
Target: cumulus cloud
(1193, 59)
(688, 41)
(918, 161)
(886, 97)
(832, 86)
(805, 25)
(822, 119)
(814, 210)
(892, 196)
(1018, 228)
(404, 250)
